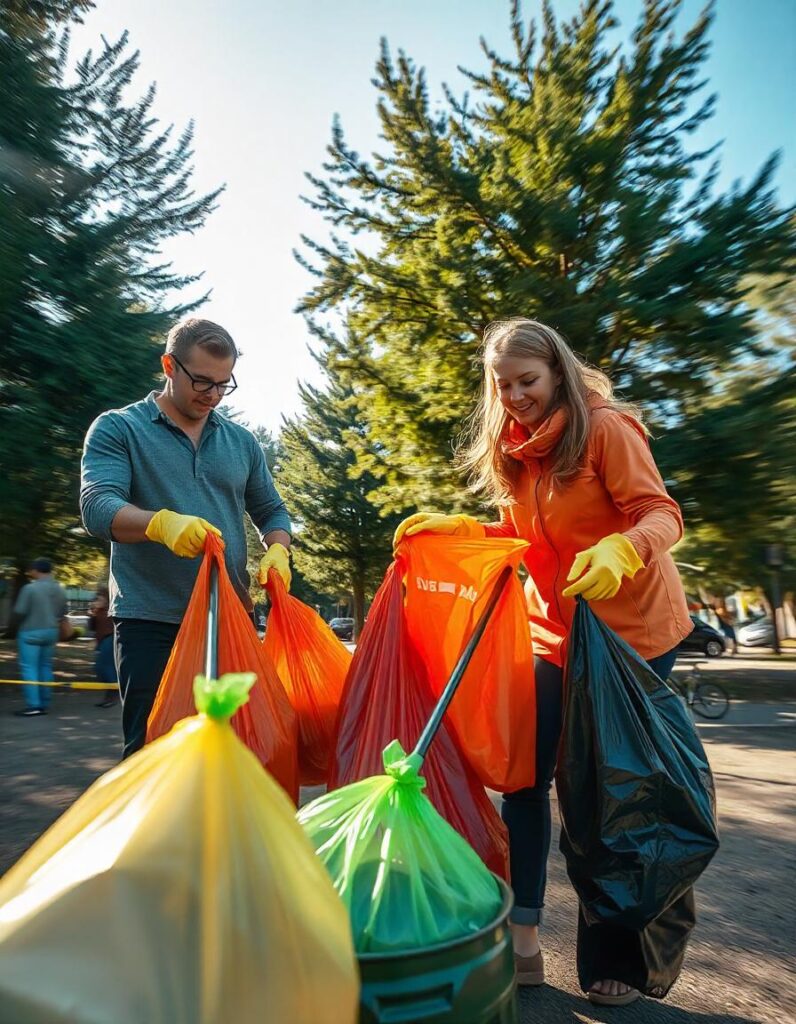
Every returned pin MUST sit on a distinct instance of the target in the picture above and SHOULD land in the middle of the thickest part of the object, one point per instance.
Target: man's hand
(276, 557)
(184, 535)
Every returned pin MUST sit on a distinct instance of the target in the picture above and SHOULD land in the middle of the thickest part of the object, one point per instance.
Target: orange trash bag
(312, 664)
(388, 696)
(448, 581)
(267, 724)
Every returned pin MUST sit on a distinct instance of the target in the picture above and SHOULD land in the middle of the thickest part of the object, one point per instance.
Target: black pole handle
(460, 668)
(211, 651)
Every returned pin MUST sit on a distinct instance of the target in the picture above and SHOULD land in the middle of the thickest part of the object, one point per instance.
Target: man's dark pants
(141, 649)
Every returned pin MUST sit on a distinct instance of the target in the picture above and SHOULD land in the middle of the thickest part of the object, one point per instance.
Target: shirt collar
(157, 415)
(155, 412)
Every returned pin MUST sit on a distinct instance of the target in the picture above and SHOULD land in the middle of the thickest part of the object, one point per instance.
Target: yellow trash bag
(179, 889)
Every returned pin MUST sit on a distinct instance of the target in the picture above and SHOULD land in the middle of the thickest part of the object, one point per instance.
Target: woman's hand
(607, 562)
(436, 522)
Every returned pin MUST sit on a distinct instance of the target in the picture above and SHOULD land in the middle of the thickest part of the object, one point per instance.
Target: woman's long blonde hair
(491, 470)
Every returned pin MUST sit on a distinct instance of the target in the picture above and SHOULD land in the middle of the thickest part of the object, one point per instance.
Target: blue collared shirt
(138, 456)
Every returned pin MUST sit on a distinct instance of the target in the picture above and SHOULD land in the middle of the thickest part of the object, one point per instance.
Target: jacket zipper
(549, 542)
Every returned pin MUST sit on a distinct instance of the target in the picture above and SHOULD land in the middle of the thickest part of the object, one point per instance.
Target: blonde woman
(570, 468)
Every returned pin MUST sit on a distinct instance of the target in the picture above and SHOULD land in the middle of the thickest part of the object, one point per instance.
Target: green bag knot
(221, 698)
(402, 767)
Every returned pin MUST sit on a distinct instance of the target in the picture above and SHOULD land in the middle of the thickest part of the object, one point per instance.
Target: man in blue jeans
(157, 477)
(38, 611)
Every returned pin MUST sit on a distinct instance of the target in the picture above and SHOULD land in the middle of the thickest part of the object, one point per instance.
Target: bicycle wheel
(711, 700)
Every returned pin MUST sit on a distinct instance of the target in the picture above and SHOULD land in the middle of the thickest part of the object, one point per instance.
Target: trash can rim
(399, 954)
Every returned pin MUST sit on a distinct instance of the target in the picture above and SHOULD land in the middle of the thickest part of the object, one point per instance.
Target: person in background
(727, 626)
(39, 608)
(101, 626)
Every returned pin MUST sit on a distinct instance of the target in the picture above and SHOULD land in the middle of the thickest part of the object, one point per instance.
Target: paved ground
(751, 715)
(740, 966)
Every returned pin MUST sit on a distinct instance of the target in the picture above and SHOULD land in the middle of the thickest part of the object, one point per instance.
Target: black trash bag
(649, 960)
(635, 790)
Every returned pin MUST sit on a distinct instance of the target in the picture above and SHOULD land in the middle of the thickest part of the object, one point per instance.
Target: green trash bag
(407, 878)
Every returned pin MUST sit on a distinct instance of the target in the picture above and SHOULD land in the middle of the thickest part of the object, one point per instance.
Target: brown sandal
(529, 969)
(603, 999)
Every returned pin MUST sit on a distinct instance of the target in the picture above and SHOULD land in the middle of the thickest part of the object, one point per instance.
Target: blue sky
(264, 78)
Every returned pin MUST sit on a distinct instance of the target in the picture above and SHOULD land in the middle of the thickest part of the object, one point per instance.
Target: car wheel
(714, 649)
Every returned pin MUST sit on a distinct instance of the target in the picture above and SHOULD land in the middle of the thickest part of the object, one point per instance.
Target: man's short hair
(194, 331)
(42, 565)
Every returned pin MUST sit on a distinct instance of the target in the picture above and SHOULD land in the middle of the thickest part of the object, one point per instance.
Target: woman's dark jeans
(527, 812)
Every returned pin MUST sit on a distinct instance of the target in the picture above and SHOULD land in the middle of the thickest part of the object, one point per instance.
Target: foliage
(91, 184)
(343, 544)
(565, 187)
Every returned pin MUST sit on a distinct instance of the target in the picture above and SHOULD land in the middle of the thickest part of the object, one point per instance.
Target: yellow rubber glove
(607, 562)
(184, 535)
(276, 557)
(436, 522)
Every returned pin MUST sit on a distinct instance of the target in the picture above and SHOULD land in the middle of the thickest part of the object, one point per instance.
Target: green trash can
(466, 981)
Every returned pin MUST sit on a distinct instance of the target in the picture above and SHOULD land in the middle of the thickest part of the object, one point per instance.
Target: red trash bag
(267, 723)
(312, 664)
(448, 582)
(387, 696)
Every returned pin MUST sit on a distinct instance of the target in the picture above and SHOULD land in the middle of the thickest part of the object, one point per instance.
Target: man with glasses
(156, 477)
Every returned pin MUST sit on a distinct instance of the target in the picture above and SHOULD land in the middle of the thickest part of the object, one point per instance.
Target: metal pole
(776, 601)
(775, 559)
(211, 653)
(452, 685)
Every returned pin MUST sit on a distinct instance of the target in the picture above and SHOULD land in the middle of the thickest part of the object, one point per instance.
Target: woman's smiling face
(526, 387)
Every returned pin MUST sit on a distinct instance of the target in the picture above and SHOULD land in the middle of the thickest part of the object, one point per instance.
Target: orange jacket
(618, 490)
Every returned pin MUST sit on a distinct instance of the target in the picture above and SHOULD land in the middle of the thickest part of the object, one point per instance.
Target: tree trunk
(358, 591)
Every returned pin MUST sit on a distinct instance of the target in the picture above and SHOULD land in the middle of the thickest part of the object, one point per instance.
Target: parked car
(703, 640)
(758, 633)
(343, 629)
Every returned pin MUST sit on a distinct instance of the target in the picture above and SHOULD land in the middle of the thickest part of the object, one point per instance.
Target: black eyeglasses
(205, 386)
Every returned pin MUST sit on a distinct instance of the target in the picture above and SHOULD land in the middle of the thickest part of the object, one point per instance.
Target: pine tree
(564, 189)
(90, 186)
(732, 462)
(300, 587)
(342, 544)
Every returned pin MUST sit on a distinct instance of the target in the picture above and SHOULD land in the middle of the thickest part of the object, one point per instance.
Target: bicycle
(706, 699)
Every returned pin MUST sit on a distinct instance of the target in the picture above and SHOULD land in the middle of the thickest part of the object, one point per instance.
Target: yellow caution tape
(61, 682)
